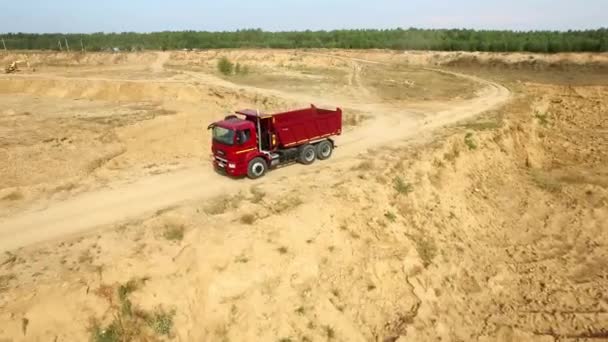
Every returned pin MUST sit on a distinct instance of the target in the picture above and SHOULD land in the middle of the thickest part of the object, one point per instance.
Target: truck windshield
(223, 135)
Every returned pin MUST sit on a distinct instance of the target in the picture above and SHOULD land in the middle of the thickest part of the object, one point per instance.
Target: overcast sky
(274, 15)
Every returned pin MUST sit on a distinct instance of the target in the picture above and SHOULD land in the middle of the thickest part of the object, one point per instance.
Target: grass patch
(452, 154)
(174, 232)
(329, 332)
(85, 257)
(545, 182)
(390, 216)
(242, 259)
(225, 66)
(13, 196)
(366, 165)
(130, 323)
(222, 204)
(353, 120)
(5, 281)
(285, 204)
(469, 141)
(401, 186)
(161, 322)
(482, 125)
(248, 219)
(426, 248)
(257, 195)
(543, 118)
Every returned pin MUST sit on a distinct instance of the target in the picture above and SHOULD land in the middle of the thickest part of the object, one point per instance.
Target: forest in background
(396, 39)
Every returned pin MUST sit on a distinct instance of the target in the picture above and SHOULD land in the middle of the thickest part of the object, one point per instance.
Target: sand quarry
(467, 200)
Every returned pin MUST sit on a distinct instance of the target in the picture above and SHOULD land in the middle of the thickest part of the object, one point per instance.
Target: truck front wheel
(307, 154)
(324, 149)
(257, 168)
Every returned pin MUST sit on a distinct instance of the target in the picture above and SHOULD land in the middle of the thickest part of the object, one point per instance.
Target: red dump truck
(250, 143)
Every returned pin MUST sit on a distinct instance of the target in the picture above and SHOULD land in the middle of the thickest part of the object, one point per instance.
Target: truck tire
(257, 168)
(324, 149)
(307, 154)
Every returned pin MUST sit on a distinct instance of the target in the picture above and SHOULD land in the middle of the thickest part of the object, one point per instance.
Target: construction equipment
(14, 66)
(253, 144)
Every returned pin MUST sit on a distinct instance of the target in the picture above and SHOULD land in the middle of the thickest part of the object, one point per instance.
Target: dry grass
(401, 186)
(222, 204)
(426, 248)
(469, 141)
(174, 232)
(257, 195)
(248, 219)
(390, 216)
(286, 204)
(130, 323)
(353, 120)
(85, 257)
(5, 281)
(545, 182)
(15, 195)
(365, 165)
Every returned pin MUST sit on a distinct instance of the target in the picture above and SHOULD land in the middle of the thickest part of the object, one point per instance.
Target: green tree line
(396, 39)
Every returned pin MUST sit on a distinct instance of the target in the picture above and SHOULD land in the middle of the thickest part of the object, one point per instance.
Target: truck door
(245, 139)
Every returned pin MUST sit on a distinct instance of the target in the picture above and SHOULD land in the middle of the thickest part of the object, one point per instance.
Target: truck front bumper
(225, 167)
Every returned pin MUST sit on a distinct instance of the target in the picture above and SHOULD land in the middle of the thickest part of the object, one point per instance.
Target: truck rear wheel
(257, 168)
(307, 154)
(324, 149)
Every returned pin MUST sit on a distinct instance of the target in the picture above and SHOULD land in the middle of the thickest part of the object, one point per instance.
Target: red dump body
(304, 134)
(300, 126)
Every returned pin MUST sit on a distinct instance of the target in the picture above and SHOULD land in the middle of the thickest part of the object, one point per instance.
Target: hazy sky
(219, 15)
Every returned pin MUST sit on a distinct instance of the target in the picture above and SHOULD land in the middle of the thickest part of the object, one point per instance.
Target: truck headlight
(231, 165)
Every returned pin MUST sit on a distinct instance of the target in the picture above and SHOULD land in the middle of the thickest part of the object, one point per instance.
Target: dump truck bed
(305, 125)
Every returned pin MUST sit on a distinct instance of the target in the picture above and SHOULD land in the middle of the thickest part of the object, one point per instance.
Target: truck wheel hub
(258, 169)
(310, 154)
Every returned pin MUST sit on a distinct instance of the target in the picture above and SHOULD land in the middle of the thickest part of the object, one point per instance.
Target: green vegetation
(390, 216)
(468, 140)
(225, 66)
(397, 39)
(401, 186)
(174, 232)
(130, 323)
(542, 118)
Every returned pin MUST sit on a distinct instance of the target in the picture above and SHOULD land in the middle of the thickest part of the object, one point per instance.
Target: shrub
(225, 66)
(401, 186)
(468, 140)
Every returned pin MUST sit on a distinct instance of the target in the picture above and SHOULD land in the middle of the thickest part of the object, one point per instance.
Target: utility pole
(67, 46)
(82, 46)
(60, 47)
(3, 44)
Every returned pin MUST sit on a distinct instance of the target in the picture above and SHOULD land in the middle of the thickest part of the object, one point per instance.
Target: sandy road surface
(147, 195)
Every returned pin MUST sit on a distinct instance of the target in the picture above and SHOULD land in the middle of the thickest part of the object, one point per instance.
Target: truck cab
(234, 141)
(255, 142)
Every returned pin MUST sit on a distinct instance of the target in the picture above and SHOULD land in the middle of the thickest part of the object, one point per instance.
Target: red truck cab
(257, 142)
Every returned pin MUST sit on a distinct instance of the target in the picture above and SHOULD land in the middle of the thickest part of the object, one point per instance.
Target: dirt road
(147, 195)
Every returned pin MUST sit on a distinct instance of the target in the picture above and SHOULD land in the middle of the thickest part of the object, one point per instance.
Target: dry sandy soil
(467, 200)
